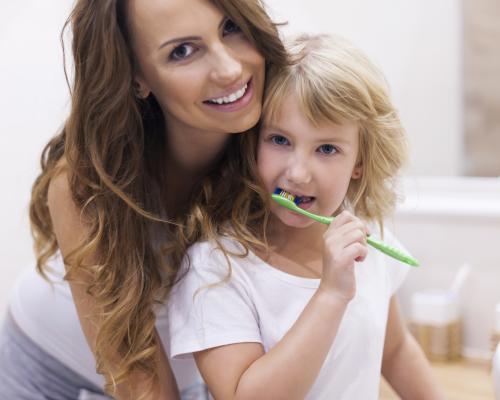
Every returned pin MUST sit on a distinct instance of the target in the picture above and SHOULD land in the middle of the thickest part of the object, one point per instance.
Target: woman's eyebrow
(188, 38)
(179, 40)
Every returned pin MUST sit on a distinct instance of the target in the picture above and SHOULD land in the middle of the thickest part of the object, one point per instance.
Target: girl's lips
(236, 105)
(306, 205)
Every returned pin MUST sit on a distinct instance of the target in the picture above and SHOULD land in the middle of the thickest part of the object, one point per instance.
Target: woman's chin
(249, 120)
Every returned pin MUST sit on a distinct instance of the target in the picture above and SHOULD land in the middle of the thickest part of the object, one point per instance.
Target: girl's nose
(298, 171)
(226, 68)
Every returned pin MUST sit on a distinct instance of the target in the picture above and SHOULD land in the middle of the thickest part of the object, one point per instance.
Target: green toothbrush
(286, 200)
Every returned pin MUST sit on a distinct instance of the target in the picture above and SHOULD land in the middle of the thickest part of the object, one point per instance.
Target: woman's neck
(190, 154)
(192, 151)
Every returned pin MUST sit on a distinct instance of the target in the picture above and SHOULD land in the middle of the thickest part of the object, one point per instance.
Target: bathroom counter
(462, 380)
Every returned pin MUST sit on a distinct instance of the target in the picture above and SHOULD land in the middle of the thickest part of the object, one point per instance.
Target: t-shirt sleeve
(397, 270)
(209, 306)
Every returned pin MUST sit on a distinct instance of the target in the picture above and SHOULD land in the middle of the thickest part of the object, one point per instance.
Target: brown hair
(112, 144)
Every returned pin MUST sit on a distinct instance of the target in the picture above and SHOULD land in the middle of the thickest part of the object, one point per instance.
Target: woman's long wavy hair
(112, 146)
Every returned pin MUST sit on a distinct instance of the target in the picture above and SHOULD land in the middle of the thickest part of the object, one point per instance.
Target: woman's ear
(141, 90)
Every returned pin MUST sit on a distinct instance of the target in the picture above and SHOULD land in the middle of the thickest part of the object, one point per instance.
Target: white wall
(33, 103)
(418, 46)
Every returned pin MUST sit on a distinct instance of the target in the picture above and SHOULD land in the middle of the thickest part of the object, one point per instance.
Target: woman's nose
(227, 68)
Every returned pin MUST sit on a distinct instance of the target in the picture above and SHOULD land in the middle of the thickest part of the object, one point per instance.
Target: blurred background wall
(33, 105)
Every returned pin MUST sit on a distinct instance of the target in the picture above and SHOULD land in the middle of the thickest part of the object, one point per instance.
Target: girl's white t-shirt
(259, 303)
(47, 315)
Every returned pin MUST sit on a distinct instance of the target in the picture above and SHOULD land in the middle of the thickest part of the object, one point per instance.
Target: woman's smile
(232, 100)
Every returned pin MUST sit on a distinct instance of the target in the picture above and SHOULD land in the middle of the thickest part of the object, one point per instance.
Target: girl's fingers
(357, 251)
(343, 218)
(352, 231)
(343, 240)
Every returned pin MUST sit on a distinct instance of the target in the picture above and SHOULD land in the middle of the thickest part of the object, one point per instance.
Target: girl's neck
(297, 251)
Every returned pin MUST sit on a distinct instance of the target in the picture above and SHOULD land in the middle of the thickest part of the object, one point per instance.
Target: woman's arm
(70, 231)
(404, 365)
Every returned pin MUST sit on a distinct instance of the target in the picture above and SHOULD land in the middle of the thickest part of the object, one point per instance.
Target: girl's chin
(293, 220)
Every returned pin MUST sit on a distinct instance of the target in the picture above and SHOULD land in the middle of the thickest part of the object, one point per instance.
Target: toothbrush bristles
(285, 194)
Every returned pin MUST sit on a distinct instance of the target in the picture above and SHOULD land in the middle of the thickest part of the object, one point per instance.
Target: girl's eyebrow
(188, 38)
(277, 128)
(336, 139)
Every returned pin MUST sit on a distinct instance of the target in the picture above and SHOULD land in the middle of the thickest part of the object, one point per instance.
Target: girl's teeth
(232, 97)
(304, 199)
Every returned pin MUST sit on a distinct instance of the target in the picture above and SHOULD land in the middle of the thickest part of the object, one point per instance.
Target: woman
(159, 87)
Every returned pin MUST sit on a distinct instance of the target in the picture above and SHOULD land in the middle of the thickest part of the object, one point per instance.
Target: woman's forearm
(165, 388)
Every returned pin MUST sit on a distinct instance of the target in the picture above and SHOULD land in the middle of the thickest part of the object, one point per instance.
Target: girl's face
(202, 70)
(315, 163)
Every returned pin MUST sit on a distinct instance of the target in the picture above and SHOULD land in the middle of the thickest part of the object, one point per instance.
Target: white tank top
(47, 315)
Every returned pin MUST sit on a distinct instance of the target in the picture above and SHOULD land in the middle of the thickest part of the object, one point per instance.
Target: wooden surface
(462, 380)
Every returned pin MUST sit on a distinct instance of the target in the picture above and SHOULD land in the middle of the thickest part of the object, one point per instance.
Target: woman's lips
(236, 105)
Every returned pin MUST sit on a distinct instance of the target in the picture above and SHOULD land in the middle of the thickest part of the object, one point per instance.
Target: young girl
(311, 312)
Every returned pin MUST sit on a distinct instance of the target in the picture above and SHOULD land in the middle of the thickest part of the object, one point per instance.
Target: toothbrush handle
(378, 244)
(392, 251)
(318, 218)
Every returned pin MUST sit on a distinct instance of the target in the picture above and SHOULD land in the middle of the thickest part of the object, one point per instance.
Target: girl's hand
(345, 243)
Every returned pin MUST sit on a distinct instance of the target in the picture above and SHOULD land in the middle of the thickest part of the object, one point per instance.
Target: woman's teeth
(231, 98)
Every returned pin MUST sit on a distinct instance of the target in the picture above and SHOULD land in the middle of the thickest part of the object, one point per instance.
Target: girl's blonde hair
(334, 82)
(113, 144)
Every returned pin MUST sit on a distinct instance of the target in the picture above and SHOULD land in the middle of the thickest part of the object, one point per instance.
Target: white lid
(434, 308)
(497, 318)
(496, 370)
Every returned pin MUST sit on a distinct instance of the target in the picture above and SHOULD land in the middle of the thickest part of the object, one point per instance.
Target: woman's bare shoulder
(59, 187)
(66, 217)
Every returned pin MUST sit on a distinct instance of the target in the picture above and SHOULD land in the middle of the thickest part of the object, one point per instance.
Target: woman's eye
(230, 27)
(327, 149)
(279, 140)
(182, 52)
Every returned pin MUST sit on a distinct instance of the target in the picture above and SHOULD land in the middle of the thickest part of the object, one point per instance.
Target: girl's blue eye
(230, 27)
(327, 149)
(182, 52)
(279, 140)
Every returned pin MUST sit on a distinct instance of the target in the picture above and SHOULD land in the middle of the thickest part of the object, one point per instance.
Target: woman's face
(203, 71)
